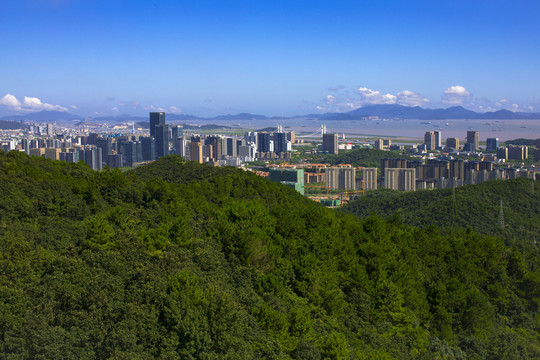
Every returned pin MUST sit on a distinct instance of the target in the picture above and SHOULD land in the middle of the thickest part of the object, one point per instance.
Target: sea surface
(413, 129)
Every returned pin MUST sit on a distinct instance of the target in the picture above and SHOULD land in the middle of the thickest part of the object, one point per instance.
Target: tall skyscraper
(148, 148)
(438, 139)
(472, 141)
(429, 140)
(156, 118)
(159, 130)
(196, 152)
(217, 145)
(263, 142)
(280, 143)
(232, 149)
(162, 140)
(330, 143)
(492, 144)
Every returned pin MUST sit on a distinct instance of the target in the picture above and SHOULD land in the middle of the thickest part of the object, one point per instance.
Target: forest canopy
(181, 260)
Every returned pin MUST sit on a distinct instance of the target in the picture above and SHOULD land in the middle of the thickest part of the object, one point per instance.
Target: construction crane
(321, 186)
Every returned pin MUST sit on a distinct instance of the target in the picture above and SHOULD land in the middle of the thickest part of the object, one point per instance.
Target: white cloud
(372, 97)
(74, 107)
(330, 99)
(456, 95)
(11, 102)
(153, 108)
(411, 98)
(175, 110)
(345, 100)
(29, 104)
(115, 109)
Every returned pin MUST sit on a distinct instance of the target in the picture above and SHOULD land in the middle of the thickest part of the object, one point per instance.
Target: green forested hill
(356, 157)
(180, 260)
(477, 206)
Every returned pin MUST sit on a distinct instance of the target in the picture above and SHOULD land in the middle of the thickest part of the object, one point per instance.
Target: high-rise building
(516, 152)
(176, 132)
(369, 179)
(156, 118)
(452, 143)
(148, 148)
(159, 130)
(180, 146)
(162, 140)
(52, 153)
(457, 169)
(473, 143)
(195, 152)
(217, 146)
(128, 149)
(105, 143)
(92, 157)
(115, 161)
(280, 143)
(400, 179)
(232, 149)
(250, 137)
(291, 137)
(438, 139)
(340, 178)
(502, 152)
(429, 140)
(392, 163)
(492, 144)
(330, 143)
(263, 142)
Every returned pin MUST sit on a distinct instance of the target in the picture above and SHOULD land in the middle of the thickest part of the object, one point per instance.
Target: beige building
(196, 152)
(400, 179)
(52, 153)
(369, 178)
(340, 178)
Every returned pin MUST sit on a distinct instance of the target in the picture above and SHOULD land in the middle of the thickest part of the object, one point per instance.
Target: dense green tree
(181, 260)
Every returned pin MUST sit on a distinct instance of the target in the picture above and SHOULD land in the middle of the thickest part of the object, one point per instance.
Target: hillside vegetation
(356, 157)
(477, 206)
(180, 260)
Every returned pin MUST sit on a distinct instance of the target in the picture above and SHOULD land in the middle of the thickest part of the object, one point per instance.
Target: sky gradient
(267, 57)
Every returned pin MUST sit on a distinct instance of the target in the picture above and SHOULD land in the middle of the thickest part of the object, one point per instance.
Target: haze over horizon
(273, 58)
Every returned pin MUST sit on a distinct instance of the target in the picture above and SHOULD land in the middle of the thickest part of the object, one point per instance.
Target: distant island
(379, 111)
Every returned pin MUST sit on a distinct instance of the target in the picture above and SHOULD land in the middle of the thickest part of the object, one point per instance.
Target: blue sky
(94, 57)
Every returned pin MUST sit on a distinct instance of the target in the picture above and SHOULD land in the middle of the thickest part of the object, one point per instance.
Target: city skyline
(279, 58)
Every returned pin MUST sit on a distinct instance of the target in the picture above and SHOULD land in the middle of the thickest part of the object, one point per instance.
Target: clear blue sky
(268, 57)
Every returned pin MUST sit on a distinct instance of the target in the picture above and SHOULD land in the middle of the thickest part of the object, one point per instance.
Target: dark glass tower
(156, 118)
(162, 140)
(263, 142)
(280, 143)
(159, 131)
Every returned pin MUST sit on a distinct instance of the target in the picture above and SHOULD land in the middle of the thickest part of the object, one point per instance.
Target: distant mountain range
(406, 112)
(381, 111)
